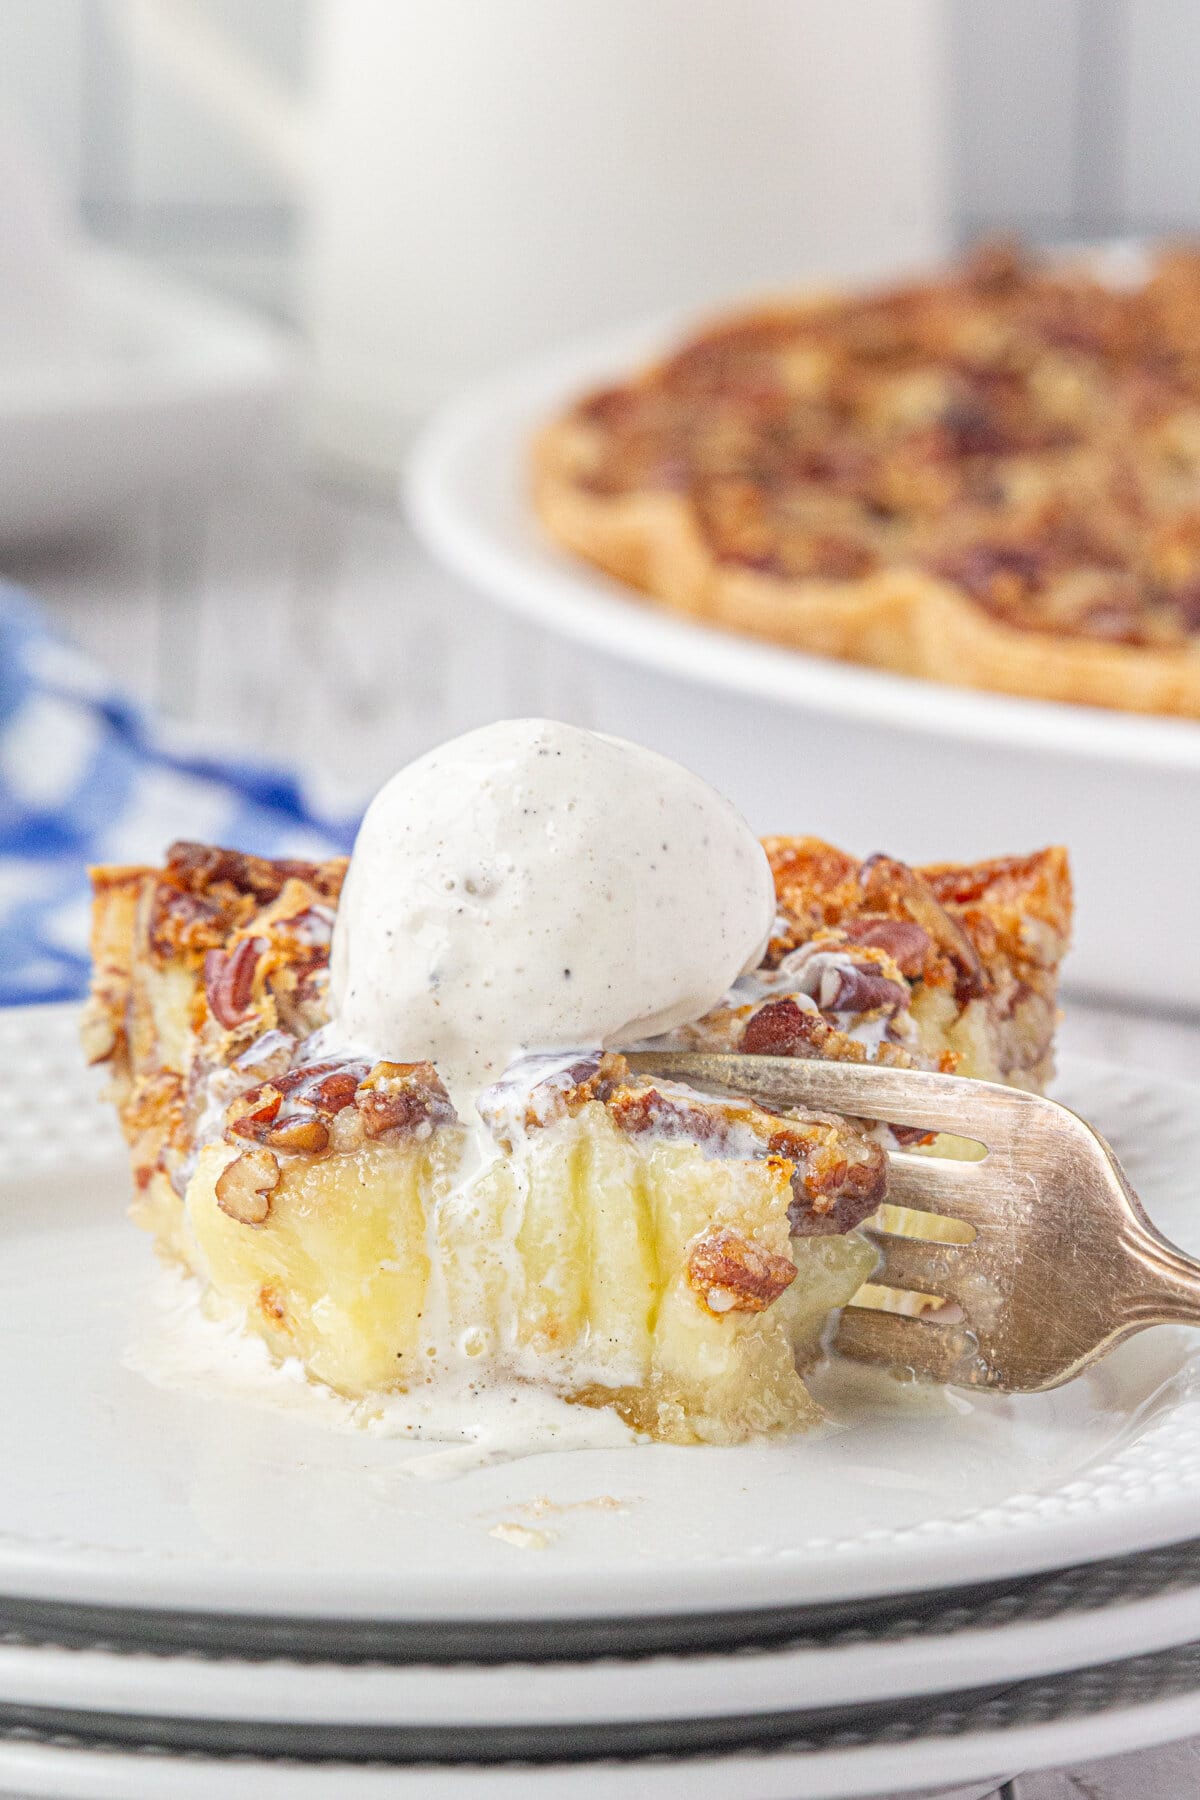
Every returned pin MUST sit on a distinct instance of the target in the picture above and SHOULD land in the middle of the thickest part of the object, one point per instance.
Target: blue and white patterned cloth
(85, 777)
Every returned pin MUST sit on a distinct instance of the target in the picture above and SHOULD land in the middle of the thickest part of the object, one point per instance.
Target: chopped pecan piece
(298, 1131)
(255, 1116)
(785, 1028)
(244, 1186)
(407, 1097)
(893, 886)
(335, 1090)
(325, 1086)
(642, 1111)
(732, 1273)
(907, 943)
(256, 1108)
(836, 1184)
(857, 988)
(229, 980)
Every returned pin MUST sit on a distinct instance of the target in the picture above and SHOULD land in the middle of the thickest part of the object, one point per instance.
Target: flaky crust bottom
(900, 619)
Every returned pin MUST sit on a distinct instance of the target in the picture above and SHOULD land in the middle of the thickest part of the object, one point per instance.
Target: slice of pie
(989, 477)
(632, 1243)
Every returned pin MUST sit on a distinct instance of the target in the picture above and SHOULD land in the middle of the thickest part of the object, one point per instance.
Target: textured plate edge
(61, 1772)
(871, 1670)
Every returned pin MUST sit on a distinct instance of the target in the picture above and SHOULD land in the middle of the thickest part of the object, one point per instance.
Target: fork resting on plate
(1054, 1260)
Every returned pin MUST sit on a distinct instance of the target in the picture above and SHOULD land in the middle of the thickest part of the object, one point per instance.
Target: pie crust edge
(898, 619)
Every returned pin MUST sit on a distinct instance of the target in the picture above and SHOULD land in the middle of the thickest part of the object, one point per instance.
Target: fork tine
(945, 1354)
(986, 1111)
(940, 1184)
(920, 1265)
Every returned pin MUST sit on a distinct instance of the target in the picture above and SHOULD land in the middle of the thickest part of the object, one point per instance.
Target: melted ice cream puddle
(190, 1342)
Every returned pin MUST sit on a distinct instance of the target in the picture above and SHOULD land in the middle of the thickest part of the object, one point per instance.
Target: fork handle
(1166, 1290)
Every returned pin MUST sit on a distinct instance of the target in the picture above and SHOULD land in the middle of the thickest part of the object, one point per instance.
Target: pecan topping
(1006, 425)
(838, 1174)
(199, 867)
(999, 575)
(229, 980)
(244, 1186)
(907, 943)
(406, 1097)
(785, 1028)
(734, 1274)
(326, 1086)
(858, 988)
(335, 1090)
(257, 1116)
(181, 921)
(560, 1094)
(311, 928)
(1186, 601)
(891, 885)
(298, 1131)
(641, 1111)
(836, 1185)
(253, 1111)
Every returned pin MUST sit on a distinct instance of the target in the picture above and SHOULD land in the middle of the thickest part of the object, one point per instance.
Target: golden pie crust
(991, 479)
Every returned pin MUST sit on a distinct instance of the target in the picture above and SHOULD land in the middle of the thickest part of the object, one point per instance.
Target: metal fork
(1064, 1263)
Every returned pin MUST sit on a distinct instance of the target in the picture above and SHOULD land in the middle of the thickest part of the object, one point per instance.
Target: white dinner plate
(123, 1494)
(1045, 1625)
(1038, 1724)
(860, 756)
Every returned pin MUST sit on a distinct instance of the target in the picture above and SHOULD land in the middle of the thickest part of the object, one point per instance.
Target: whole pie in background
(990, 477)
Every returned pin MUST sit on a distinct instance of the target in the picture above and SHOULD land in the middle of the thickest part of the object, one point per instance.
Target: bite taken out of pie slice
(562, 1223)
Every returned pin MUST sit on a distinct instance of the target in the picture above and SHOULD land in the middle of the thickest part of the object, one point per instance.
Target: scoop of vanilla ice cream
(532, 886)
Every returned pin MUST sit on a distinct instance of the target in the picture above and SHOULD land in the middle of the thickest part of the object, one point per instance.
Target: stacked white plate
(936, 1592)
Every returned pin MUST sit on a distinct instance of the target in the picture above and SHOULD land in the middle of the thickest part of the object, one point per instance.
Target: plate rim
(858, 1665)
(482, 435)
(71, 1770)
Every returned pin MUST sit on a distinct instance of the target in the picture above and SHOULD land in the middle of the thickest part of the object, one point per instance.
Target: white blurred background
(419, 190)
(390, 198)
(1063, 118)
(423, 189)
